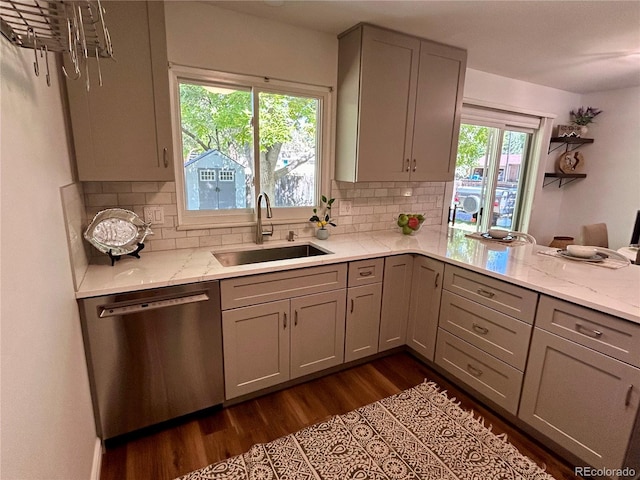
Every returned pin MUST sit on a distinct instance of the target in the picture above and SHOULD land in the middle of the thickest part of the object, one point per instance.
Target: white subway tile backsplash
(375, 206)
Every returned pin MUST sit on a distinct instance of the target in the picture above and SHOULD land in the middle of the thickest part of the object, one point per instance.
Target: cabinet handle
(480, 329)
(295, 319)
(285, 320)
(414, 165)
(473, 370)
(587, 331)
(627, 401)
(367, 273)
(485, 293)
(164, 157)
(352, 305)
(437, 278)
(407, 164)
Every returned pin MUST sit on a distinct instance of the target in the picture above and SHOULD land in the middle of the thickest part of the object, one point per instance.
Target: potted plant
(322, 217)
(583, 117)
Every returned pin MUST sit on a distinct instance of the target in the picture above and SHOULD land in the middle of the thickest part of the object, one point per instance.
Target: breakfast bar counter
(608, 290)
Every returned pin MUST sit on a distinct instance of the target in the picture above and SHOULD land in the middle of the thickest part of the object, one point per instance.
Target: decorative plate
(571, 162)
(116, 231)
(508, 238)
(596, 258)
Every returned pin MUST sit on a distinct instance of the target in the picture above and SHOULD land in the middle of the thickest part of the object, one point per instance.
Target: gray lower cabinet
(484, 334)
(576, 393)
(267, 344)
(396, 297)
(426, 290)
(275, 329)
(363, 308)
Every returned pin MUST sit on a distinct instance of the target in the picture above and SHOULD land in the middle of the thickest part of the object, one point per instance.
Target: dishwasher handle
(118, 310)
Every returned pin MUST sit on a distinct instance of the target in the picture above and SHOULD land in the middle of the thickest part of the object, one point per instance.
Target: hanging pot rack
(75, 28)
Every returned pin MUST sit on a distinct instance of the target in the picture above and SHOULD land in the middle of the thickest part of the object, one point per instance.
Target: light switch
(154, 215)
(345, 207)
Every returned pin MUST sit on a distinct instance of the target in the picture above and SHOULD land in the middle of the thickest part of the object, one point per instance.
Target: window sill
(265, 221)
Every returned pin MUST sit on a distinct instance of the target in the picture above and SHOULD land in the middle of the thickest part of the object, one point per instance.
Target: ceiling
(573, 45)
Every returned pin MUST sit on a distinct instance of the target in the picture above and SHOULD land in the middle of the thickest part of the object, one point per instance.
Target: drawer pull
(164, 157)
(473, 370)
(352, 305)
(588, 331)
(486, 293)
(284, 323)
(295, 319)
(407, 169)
(627, 401)
(480, 329)
(437, 278)
(366, 274)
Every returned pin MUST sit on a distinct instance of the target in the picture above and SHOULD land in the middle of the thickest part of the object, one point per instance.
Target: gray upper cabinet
(399, 103)
(122, 130)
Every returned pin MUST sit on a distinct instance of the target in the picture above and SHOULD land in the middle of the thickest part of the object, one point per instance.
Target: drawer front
(494, 379)
(268, 287)
(498, 334)
(504, 297)
(604, 333)
(365, 272)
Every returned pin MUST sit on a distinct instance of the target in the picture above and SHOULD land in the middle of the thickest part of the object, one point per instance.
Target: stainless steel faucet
(259, 232)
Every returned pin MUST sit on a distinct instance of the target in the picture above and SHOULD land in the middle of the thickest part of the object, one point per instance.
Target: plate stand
(136, 253)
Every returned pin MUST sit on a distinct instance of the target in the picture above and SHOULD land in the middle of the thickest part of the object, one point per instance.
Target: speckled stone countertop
(613, 291)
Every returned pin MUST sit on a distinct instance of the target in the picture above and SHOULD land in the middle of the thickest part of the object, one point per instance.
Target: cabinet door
(114, 125)
(387, 103)
(256, 347)
(426, 290)
(317, 332)
(437, 114)
(363, 321)
(396, 294)
(583, 400)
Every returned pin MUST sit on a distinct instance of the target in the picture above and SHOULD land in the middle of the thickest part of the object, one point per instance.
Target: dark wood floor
(199, 441)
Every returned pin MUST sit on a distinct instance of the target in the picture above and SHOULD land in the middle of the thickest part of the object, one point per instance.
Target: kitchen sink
(244, 257)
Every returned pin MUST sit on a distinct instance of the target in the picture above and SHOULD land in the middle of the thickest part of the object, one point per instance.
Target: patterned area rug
(417, 434)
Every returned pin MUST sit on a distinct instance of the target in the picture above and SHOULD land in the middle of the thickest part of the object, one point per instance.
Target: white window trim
(514, 118)
(188, 220)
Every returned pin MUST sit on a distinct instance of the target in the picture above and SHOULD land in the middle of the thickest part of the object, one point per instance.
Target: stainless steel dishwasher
(153, 355)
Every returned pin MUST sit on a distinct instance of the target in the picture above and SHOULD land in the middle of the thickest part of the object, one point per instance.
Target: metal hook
(98, 65)
(31, 35)
(45, 50)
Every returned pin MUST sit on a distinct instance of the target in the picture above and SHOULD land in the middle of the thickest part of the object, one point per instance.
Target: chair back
(595, 235)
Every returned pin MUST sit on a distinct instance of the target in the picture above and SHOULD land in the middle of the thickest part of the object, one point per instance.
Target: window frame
(537, 123)
(192, 219)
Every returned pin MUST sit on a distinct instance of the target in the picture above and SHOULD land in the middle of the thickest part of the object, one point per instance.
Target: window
(493, 168)
(253, 135)
(207, 175)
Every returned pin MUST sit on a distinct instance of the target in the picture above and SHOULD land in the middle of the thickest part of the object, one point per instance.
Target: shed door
(217, 188)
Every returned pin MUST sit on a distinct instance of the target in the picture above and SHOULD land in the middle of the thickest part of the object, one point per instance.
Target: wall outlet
(407, 192)
(154, 215)
(345, 207)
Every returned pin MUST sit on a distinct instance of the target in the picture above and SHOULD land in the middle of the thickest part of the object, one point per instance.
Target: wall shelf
(570, 143)
(562, 178)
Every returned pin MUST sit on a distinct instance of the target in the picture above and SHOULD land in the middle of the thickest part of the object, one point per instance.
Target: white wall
(611, 191)
(205, 36)
(47, 427)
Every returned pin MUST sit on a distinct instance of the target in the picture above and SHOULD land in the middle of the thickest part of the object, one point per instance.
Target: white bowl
(581, 251)
(498, 233)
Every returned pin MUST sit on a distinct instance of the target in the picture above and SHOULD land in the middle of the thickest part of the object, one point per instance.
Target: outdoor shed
(214, 181)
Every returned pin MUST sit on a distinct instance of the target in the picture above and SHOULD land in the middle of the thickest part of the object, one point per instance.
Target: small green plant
(322, 214)
(584, 116)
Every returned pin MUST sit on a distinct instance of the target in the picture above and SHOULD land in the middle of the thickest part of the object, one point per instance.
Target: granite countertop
(613, 291)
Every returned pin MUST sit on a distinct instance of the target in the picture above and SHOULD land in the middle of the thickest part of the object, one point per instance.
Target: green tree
(472, 145)
(216, 118)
